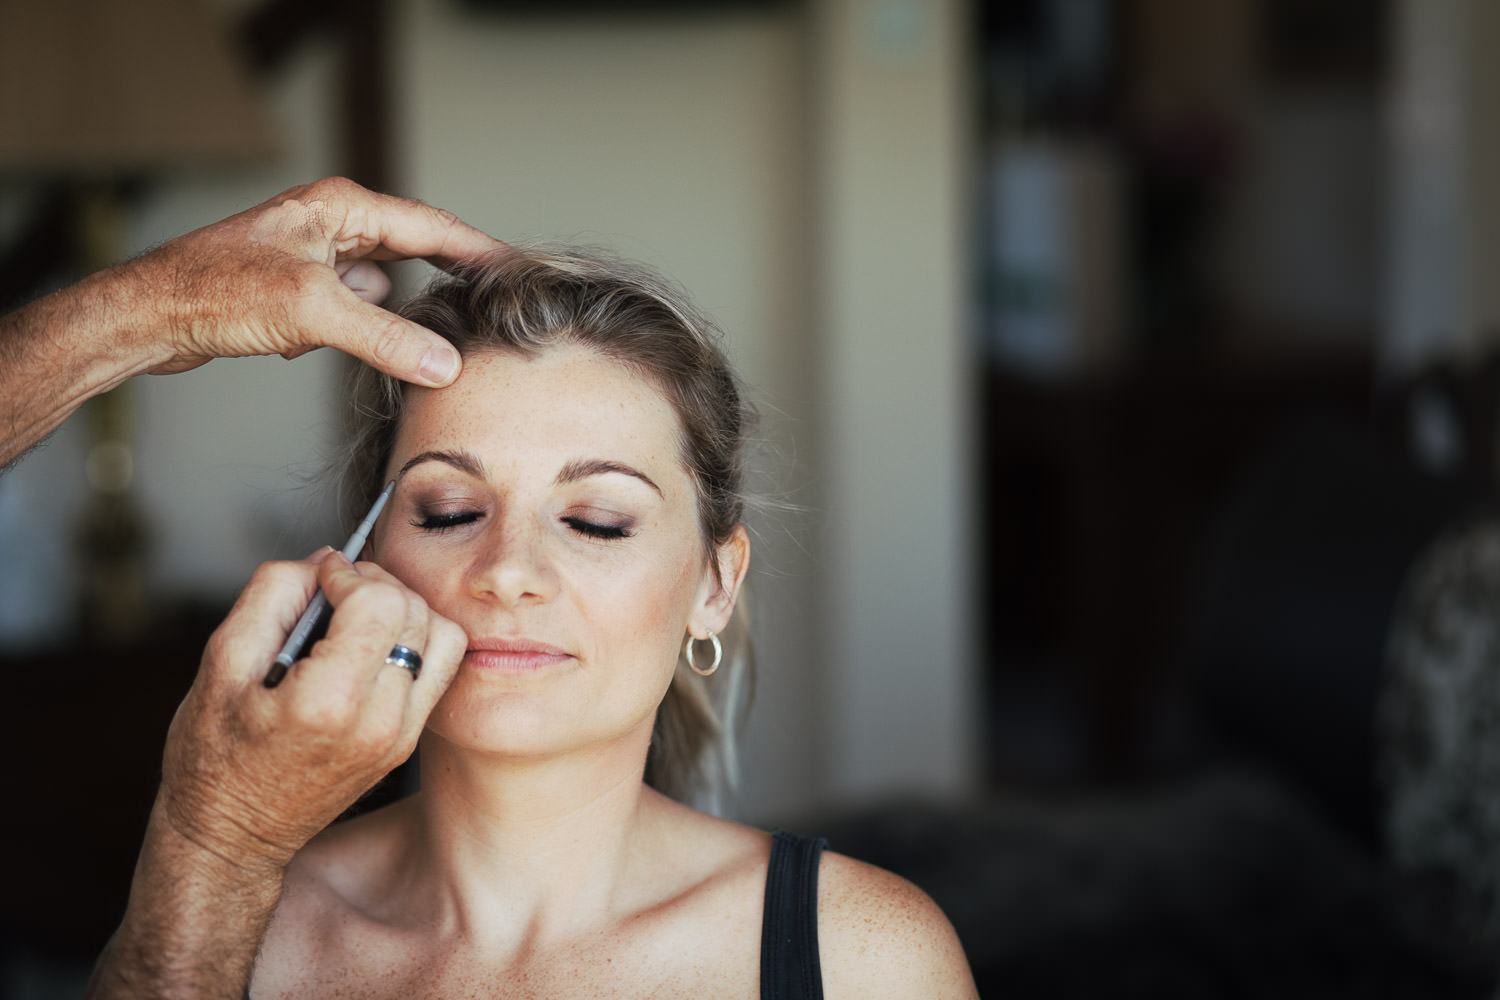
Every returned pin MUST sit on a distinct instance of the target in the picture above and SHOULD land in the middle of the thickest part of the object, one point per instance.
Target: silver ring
(405, 656)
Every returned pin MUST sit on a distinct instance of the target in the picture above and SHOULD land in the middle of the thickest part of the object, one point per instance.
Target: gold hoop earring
(687, 651)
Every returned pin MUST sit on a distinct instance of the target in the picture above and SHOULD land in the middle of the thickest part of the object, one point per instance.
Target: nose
(512, 565)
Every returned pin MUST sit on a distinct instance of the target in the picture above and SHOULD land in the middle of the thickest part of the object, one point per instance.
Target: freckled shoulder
(332, 881)
(881, 936)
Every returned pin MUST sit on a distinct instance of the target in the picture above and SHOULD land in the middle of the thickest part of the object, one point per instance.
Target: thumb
(382, 339)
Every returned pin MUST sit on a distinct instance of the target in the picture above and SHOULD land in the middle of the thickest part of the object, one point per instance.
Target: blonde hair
(530, 299)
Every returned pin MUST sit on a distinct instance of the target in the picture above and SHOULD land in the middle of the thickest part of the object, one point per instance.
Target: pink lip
(513, 656)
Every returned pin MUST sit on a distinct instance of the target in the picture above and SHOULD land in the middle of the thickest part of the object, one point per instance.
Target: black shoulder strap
(789, 968)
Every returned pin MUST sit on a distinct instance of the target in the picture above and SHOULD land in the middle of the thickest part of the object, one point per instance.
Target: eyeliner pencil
(318, 609)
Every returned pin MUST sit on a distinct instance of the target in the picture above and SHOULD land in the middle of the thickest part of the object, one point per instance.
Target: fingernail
(439, 365)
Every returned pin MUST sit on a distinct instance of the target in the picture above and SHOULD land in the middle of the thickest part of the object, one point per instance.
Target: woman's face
(543, 505)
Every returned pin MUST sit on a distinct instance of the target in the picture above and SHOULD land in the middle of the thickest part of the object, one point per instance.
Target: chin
(489, 722)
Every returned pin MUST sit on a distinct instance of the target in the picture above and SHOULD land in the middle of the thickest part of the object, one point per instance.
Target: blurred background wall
(1036, 297)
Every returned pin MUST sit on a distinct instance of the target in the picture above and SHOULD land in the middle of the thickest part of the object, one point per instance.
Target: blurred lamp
(94, 93)
(103, 88)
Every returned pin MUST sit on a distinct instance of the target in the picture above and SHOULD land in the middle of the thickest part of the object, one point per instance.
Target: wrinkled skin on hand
(293, 274)
(250, 773)
(298, 272)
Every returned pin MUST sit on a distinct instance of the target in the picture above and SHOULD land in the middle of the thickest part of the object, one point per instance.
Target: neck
(528, 848)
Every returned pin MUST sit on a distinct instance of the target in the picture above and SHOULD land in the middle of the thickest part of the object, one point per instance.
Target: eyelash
(604, 532)
(440, 523)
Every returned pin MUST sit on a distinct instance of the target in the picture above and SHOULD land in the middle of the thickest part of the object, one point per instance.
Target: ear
(721, 584)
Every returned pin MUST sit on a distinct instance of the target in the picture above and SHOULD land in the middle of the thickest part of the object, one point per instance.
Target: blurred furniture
(1437, 742)
(1277, 533)
(1282, 643)
(1097, 493)
(82, 751)
(1223, 886)
(1438, 732)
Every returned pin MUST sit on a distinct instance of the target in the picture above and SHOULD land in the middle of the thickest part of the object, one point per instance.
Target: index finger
(386, 227)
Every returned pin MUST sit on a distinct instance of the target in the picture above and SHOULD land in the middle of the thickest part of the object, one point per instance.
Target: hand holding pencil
(251, 773)
(315, 618)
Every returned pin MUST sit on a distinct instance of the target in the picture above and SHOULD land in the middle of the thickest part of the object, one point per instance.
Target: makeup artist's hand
(298, 272)
(250, 774)
(292, 274)
(254, 773)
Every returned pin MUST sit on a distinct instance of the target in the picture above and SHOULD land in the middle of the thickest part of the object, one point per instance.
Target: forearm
(193, 923)
(79, 342)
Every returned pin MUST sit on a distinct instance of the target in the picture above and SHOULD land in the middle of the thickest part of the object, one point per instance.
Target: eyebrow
(575, 470)
(583, 468)
(463, 461)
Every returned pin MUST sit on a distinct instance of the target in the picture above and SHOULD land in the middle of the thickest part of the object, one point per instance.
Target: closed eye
(592, 529)
(439, 523)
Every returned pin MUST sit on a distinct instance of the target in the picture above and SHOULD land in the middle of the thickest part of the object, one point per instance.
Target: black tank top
(789, 968)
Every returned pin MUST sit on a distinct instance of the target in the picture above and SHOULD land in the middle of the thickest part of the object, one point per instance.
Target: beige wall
(895, 394)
